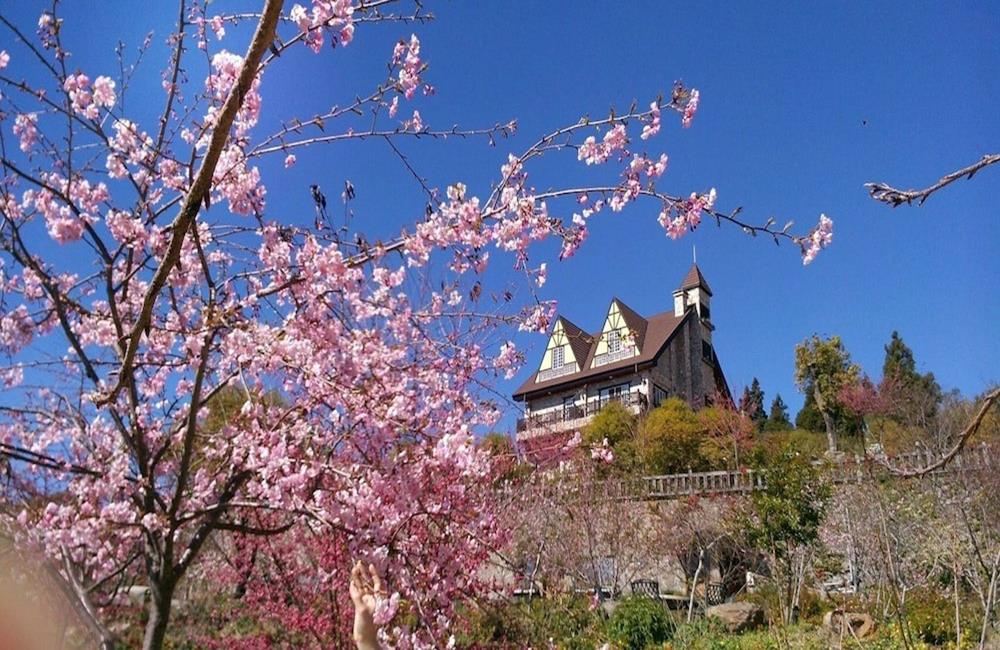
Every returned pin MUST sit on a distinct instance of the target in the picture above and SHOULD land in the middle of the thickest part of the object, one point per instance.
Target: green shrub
(931, 617)
(639, 622)
(566, 620)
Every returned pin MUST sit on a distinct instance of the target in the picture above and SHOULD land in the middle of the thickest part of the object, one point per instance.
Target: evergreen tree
(916, 396)
(899, 361)
(756, 410)
(778, 419)
(744, 405)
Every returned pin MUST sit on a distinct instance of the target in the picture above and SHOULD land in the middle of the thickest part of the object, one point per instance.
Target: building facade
(635, 360)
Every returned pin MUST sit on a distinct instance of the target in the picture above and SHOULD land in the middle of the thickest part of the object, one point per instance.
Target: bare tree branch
(888, 194)
(969, 431)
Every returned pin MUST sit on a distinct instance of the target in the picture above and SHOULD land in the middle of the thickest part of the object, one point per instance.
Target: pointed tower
(694, 293)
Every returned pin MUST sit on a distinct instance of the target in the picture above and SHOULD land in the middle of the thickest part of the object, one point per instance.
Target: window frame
(561, 357)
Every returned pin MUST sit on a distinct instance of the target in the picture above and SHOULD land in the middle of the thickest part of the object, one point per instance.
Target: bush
(671, 439)
(566, 620)
(707, 635)
(639, 622)
(616, 424)
(931, 617)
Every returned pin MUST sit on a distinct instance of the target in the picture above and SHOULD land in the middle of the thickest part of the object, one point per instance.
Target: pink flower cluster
(652, 127)
(4, 59)
(508, 360)
(65, 223)
(690, 108)
(26, 130)
(239, 183)
(407, 56)
(47, 29)
(602, 452)
(686, 215)
(640, 168)
(16, 330)
(538, 317)
(218, 27)
(132, 146)
(86, 100)
(596, 153)
(226, 68)
(325, 14)
(820, 237)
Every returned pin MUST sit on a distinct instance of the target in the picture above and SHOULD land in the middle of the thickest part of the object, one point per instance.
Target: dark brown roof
(636, 323)
(579, 341)
(659, 329)
(694, 278)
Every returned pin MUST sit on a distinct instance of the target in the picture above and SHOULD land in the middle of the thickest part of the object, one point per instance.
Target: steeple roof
(693, 279)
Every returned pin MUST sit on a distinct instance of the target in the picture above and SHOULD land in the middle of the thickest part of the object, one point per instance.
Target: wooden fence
(854, 469)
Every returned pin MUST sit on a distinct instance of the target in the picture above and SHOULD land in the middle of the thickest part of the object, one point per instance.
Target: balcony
(552, 373)
(575, 416)
(626, 352)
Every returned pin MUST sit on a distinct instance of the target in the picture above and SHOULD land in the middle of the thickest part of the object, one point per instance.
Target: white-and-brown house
(634, 360)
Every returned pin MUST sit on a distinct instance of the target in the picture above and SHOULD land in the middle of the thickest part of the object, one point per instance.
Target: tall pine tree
(916, 396)
(778, 419)
(756, 411)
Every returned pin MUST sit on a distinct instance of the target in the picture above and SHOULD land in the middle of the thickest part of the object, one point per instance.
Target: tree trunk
(694, 583)
(831, 434)
(160, 602)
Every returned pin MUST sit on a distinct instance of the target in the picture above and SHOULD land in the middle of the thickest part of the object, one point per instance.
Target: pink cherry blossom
(26, 129)
(289, 160)
(407, 56)
(602, 452)
(596, 153)
(414, 123)
(818, 239)
(652, 127)
(690, 108)
(218, 27)
(104, 92)
(80, 94)
(4, 59)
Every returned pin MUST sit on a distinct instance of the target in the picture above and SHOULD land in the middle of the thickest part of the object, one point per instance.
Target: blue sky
(801, 104)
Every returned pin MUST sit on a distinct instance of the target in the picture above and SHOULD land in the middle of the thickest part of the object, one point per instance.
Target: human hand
(366, 592)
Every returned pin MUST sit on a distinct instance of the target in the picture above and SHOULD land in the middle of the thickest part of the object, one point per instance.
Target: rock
(862, 625)
(737, 617)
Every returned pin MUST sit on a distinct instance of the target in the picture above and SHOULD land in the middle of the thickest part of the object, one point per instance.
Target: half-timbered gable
(633, 360)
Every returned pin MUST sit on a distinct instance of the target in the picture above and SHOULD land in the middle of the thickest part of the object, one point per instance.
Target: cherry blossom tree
(143, 275)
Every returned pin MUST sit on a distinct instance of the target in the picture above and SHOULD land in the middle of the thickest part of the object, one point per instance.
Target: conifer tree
(778, 419)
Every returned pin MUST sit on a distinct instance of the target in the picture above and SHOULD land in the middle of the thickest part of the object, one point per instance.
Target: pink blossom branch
(199, 188)
(894, 197)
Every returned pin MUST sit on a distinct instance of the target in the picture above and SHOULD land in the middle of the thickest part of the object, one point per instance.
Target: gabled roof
(636, 323)
(579, 340)
(693, 279)
(657, 333)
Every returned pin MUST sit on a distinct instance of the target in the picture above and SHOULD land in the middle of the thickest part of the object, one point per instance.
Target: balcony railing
(563, 418)
(552, 373)
(626, 352)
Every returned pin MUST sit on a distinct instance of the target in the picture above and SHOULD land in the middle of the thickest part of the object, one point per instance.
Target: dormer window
(614, 342)
(558, 356)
